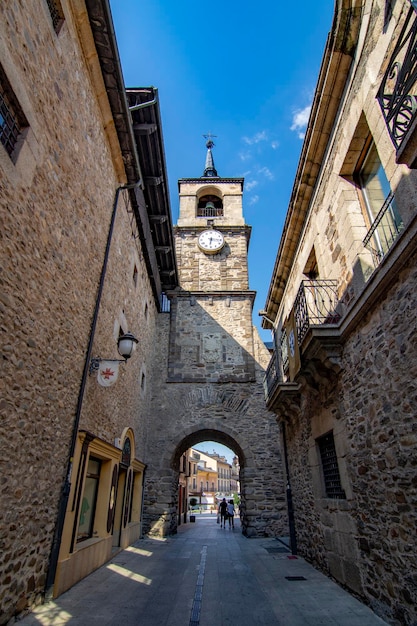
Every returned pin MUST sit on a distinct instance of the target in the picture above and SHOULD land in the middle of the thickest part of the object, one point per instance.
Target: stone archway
(261, 481)
(195, 437)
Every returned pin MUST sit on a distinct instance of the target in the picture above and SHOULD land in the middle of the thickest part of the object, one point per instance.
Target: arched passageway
(261, 481)
(204, 478)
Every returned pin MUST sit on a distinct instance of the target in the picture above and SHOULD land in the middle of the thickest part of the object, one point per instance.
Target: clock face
(211, 241)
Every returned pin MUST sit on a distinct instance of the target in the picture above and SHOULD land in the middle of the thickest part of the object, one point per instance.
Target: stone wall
(366, 541)
(356, 379)
(379, 400)
(127, 305)
(211, 339)
(184, 414)
(224, 271)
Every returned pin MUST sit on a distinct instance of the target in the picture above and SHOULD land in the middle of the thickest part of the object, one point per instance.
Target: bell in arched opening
(210, 206)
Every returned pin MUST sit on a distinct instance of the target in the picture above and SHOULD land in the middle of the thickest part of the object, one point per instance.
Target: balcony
(397, 95)
(316, 309)
(315, 304)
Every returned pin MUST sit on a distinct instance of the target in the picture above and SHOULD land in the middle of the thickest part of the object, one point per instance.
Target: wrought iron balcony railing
(284, 350)
(210, 211)
(384, 231)
(315, 304)
(271, 376)
(397, 95)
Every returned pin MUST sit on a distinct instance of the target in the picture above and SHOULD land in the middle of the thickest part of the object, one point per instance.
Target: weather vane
(209, 143)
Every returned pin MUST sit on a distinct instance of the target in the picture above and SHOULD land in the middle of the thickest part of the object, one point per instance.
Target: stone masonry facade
(233, 413)
(365, 541)
(56, 202)
(355, 380)
(211, 369)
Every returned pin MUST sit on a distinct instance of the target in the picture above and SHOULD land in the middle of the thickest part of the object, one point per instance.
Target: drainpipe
(59, 526)
(291, 520)
(142, 501)
(136, 107)
(143, 105)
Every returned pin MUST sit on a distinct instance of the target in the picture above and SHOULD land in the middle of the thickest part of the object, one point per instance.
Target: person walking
(231, 513)
(223, 513)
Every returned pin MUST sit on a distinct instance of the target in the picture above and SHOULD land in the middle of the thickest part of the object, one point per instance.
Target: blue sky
(245, 75)
(212, 446)
(244, 72)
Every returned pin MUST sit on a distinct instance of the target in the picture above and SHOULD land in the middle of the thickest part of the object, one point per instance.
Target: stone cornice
(251, 295)
(211, 180)
(222, 227)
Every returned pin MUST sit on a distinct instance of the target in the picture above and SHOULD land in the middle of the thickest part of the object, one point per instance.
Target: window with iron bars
(331, 475)
(57, 15)
(13, 122)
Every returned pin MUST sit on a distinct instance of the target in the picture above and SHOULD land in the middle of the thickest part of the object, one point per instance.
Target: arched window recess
(210, 205)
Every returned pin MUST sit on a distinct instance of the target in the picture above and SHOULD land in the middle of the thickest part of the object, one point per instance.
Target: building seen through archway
(205, 478)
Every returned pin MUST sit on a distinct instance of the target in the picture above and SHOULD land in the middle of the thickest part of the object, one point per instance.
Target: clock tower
(211, 388)
(213, 309)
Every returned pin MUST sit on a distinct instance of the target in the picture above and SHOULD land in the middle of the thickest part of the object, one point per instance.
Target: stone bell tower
(211, 384)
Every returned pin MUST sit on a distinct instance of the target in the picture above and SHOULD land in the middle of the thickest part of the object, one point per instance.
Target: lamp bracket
(96, 360)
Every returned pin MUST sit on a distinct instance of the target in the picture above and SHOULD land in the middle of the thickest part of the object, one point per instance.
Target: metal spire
(209, 170)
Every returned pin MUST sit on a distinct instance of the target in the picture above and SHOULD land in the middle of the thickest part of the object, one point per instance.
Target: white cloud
(265, 171)
(256, 138)
(274, 145)
(244, 156)
(253, 200)
(300, 120)
(251, 185)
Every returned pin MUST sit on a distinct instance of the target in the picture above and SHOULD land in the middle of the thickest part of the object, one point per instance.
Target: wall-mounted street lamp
(125, 346)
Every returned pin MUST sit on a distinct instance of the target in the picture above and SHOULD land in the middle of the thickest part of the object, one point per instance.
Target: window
(57, 15)
(311, 269)
(134, 485)
(89, 500)
(381, 212)
(126, 452)
(331, 476)
(373, 182)
(13, 122)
